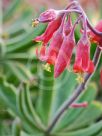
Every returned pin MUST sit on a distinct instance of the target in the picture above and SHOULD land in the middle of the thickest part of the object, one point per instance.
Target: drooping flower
(82, 61)
(51, 28)
(55, 44)
(64, 55)
(54, 47)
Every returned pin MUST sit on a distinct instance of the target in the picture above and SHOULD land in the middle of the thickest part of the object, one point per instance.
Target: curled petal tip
(38, 39)
(91, 67)
(77, 68)
(58, 70)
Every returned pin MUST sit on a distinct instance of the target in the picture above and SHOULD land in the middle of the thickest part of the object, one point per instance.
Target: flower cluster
(58, 40)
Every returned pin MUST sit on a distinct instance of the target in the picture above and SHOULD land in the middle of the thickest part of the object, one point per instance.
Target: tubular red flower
(51, 28)
(64, 55)
(54, 47)
(56, 43)
(82, 60)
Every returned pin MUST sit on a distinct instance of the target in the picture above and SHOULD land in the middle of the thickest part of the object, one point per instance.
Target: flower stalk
(76, 93)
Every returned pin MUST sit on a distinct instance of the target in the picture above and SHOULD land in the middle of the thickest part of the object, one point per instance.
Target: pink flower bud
(79, 105)
(49, 15)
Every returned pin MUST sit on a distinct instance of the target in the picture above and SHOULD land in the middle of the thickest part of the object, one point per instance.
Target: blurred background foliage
(29, 95)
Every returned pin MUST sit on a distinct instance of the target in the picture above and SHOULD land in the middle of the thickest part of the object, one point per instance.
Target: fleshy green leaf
(24, 40)
(19, 70)
(90, 131)
(8, 94)
(28, 124)
(45, 94)
(25, 134)
(16, 127)
(73, 114)
(63, 88)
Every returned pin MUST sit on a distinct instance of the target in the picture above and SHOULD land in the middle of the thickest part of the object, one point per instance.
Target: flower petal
(82, 60)
(64, 55)
(51, 28)
(85, 57)
(91, 67)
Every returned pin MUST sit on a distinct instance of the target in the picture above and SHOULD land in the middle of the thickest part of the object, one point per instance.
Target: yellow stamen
(47, 67)
(35, 23)
(80, 78)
